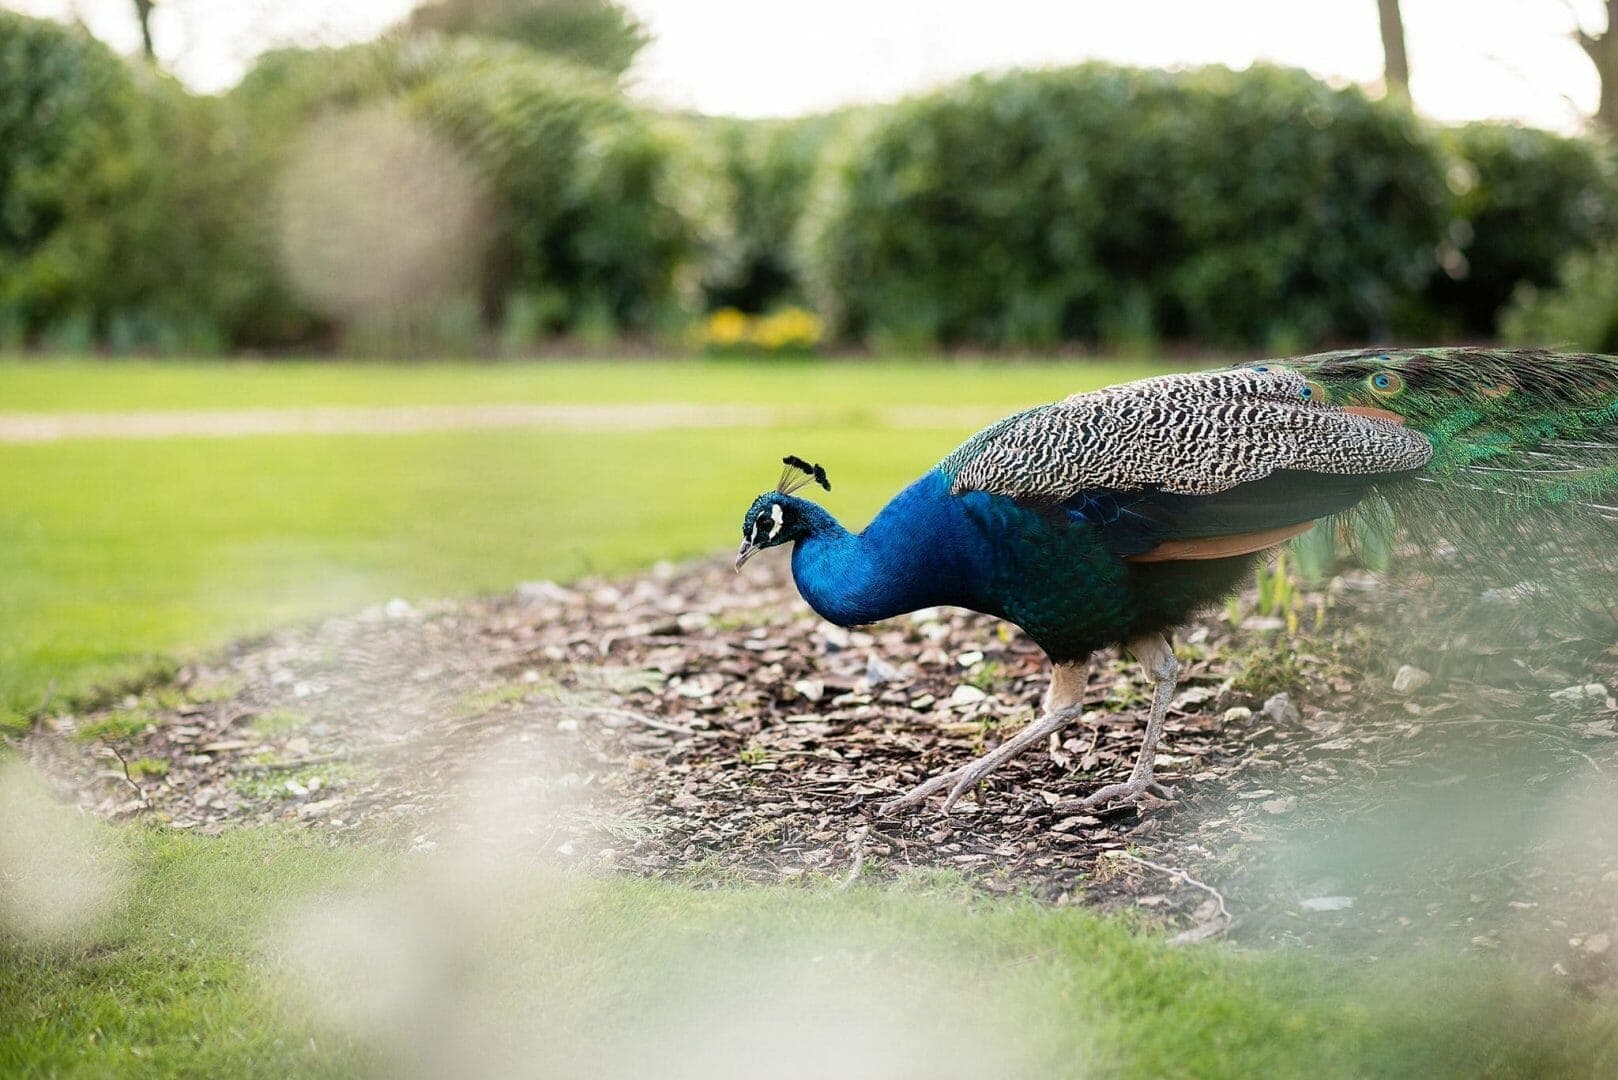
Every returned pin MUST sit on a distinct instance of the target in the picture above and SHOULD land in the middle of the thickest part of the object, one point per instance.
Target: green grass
(110, 385)
(264, 953)
(115, 555)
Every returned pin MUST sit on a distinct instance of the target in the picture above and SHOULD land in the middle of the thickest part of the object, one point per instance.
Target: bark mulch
(697, 724)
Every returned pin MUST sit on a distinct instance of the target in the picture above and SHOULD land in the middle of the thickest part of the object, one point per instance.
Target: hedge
(1254, 208)
(1524, 200)
(767, 168)
(1258, 209)
(115, 201)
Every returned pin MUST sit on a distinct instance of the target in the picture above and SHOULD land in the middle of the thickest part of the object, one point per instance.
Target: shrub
(599, 216)
(116, 201)
(1580, 312)
(602, 212)
(1524, 201)
(597, 34)
(1255, 208)
(767, 167)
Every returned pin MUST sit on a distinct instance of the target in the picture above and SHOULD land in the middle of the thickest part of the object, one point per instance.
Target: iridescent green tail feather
(1522, 492)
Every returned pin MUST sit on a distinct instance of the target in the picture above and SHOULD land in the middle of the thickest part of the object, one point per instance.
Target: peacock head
(778, 517)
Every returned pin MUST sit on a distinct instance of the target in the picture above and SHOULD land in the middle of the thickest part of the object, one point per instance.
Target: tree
(1395, 64)
(596, 33)
(143, 13)
(1602, 49)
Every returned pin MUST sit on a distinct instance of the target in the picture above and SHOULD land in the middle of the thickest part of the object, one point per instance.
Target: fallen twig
(625, 714)
(1196, 933)
(145, 799)
(857, 867)
(290, 763)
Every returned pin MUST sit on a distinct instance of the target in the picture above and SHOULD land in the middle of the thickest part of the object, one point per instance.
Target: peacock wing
(1194, 433)
(1195, 466)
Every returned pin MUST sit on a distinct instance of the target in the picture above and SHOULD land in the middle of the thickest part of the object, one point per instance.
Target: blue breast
(928, 548)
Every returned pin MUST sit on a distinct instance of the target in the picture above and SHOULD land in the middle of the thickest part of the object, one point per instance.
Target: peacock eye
(1312, 391)
(1387, 382)
(1261, 367)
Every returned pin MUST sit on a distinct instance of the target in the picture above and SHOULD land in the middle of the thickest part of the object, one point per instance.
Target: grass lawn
(108, 385)
(113, 552)
(263, 953)
(116, 551)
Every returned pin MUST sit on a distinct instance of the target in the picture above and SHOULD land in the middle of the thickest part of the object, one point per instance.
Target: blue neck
(920, 551)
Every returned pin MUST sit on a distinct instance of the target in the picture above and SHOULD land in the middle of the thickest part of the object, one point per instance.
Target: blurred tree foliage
(1255, 209)
(597, 34)
(1100, 203)
(117, 201)
(602, 215)
(1580, 312)
(1524, 200)
(766, 168)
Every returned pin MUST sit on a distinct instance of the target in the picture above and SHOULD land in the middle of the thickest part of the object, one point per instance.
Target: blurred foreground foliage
(597, 34)
(1106, 206)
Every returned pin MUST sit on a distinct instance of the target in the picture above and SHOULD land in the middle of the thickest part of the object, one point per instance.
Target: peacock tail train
(1520, 497)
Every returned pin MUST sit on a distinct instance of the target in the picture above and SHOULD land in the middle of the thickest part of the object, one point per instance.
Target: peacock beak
(747, 551)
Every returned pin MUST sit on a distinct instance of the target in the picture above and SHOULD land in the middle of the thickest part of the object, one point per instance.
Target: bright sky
(1469, 58)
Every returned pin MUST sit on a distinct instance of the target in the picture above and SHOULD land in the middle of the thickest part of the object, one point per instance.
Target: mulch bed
(697, 724)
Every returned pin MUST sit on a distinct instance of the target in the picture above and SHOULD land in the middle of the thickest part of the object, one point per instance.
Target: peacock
(1110, 517)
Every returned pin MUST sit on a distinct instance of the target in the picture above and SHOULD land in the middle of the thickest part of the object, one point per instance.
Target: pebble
(1327, 903)
(1238, 714)
(1587, 692)
(966, 695)
(1280, 709)
(811, 689)
(539, 592)
(1409, 678)
(879, 671)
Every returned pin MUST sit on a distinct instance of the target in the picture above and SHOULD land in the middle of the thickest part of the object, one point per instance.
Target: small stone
(1596, 944)
(811, 689)
(1238, 714)
(922, 702)
(1327, 903)
(1280, 709)
(1576, 694)
(398, 609)
(692, 621)
(1409, 678)
(879, 671)
(970, 659)
(296, 788)
(539, 592)
(318, 809)
(966, 695)
(1283, 805)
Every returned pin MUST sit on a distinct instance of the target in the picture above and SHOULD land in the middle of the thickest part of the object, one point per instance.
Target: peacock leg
(1157, 656)
(1064, 703)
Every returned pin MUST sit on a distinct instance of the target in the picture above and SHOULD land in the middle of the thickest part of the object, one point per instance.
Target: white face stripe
(776, 521)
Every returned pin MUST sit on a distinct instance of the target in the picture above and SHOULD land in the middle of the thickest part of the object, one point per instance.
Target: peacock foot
(1130, 791)
(958, 781)
(964, 779)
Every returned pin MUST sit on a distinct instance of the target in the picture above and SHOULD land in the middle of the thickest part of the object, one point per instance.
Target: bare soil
(695, 724)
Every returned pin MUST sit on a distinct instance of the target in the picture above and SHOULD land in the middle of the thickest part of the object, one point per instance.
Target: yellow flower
(728, 327)
(788, 328)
